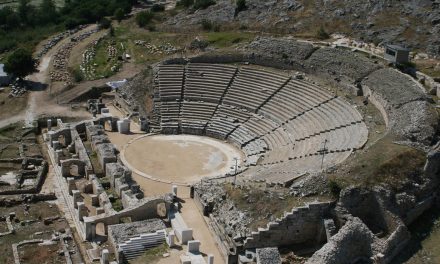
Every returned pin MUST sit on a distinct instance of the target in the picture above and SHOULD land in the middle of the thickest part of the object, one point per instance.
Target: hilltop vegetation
(28, 24)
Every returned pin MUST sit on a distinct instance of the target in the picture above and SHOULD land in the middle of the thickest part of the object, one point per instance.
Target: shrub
(206, 24)
(144, 18)
(241, 5)
(322, 34)
(105, 23)
(77, 76)
(209, 25)
(71, 23)
(185, 3)
(157, 8)
(119, 14)
(198, 44)
(334, 187)
(202, 4)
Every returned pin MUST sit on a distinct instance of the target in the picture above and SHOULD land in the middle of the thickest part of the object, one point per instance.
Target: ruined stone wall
(302, 225)
(353, 242)
(38, 180)
(388, 249)
(81, 151)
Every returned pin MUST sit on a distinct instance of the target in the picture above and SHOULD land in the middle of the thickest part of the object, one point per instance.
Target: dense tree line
(74, 12)
(27, 20)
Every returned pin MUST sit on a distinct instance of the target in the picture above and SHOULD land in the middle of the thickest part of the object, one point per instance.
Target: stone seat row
(252, 88)
(170, 80)
(347, 138)
(136, 246)
(295, 98)
(288, 170)
(324, 118)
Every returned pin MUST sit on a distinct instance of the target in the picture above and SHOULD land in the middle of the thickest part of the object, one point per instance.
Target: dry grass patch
(11, 106)
(383, 163)
(152, 255)
(264, 205)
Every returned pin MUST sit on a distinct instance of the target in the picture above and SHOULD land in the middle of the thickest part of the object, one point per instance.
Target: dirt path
(40, 103)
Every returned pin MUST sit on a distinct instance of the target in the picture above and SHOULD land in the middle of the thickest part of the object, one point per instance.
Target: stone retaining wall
(301, 226)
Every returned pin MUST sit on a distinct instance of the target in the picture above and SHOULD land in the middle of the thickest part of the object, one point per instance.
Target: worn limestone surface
(407, 106)
(289, 51)
(340, 63)
(268, 256)
(395, 87)
(123, 232)
(416, 122)
(341, 249)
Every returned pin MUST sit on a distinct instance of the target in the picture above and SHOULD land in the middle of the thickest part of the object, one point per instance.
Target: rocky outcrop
(371, 21)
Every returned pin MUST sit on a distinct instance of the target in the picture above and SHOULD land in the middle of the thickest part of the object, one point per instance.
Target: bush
(157, 8)
(119, 14)
(71, 23)
(185, 3)
(202, 4)
(241, 5)
(322, 34)
(206, 24)
(104, 23)
(198, 44)
(334, 187)
(77, 75)
(144, 18)
(209, 25)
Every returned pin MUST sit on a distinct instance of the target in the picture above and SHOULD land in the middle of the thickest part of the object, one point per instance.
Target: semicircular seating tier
(285, 126)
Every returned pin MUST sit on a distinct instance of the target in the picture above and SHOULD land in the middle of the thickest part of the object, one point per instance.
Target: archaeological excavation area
(278, 151)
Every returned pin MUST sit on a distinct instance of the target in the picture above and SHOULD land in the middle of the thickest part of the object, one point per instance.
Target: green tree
(104, 23)
(241, 5)
(9, 18)
(157, 8)
(24, 10)
(20, 63)
(335, 188)
(112, 31)
(144, 18)
(47, 12)
(119, 14)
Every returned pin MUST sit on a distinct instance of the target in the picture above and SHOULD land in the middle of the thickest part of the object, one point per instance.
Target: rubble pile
(233, 221)
(17, 89)
(55, 40)
(87, 68)
(112, 52)
(165, 48)
(61, 59)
